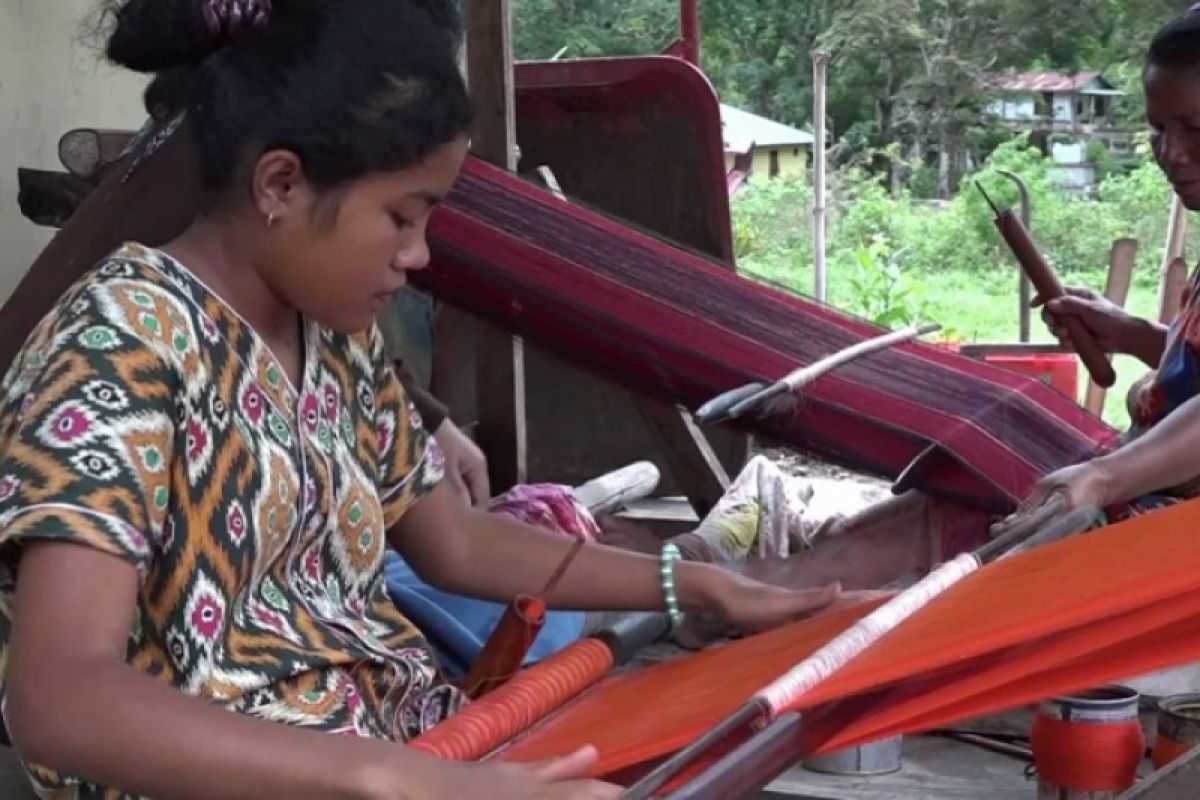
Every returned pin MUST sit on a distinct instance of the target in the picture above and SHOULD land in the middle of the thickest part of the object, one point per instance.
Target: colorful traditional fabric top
(1177, 378)
(146, 419)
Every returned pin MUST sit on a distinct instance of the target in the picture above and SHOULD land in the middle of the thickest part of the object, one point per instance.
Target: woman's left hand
(750, 606)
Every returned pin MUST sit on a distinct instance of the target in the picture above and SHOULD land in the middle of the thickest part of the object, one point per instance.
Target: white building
(1080, 102)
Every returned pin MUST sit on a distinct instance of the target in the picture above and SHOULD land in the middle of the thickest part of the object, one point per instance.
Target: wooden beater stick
(1048, 286)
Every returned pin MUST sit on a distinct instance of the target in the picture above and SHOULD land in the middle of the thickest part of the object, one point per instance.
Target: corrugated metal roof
(744, 130)
(1041, 81)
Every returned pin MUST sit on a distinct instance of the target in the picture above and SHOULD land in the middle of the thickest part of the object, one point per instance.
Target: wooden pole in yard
(1169, 285)
(1116, 290)
(820, 66)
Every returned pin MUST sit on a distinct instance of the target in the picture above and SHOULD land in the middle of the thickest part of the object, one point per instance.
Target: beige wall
(51, 80)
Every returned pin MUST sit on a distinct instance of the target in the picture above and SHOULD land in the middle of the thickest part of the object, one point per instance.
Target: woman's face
(341, 264)
(1173, 112)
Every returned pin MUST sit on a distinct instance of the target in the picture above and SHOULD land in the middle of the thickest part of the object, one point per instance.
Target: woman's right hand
(1110, 325)
(561, 778)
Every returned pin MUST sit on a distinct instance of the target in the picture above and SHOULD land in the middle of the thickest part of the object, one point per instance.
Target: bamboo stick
(798, 379)
(820, 67)
(1168, 294)
(1116, 290)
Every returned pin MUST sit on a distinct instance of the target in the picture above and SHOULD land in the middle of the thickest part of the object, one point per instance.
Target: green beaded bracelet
(671, 554)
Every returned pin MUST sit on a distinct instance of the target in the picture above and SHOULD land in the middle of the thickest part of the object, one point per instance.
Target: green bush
(903, 236)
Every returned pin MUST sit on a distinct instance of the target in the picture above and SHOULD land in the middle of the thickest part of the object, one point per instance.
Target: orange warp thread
(1087, 756)
(494, 720)
(1167, 750)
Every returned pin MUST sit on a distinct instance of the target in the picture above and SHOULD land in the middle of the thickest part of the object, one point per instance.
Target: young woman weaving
(203, 455)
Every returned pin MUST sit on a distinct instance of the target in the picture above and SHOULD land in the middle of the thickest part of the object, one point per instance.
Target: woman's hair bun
(158, 35)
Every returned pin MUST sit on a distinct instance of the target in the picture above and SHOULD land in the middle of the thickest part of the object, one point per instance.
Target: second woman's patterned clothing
(144, 418)
(1176, 381)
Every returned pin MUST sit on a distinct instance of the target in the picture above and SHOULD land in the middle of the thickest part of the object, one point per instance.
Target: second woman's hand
(1089, 484)
(1114, 329)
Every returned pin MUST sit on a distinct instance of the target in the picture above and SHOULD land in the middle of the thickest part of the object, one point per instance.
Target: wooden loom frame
(518, 102)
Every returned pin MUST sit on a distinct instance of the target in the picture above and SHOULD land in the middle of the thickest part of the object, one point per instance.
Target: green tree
(905, 83)
(544, 29)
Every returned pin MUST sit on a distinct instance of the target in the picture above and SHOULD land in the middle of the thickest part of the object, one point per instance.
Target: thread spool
(1178, 728)
(505, 650)
(1088, 746)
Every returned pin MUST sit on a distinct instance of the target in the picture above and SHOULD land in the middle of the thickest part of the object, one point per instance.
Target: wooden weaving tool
(537, 692)
(1048, 286)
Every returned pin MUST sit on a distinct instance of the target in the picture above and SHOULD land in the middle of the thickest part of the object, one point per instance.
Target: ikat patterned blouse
(146, 419)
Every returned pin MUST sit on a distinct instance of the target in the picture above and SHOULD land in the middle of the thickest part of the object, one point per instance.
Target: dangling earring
(270, 218)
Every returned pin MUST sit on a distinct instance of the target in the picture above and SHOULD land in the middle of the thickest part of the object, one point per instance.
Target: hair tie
(229, 17)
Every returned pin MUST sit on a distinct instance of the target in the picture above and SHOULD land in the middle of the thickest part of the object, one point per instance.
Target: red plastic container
(1048, 363)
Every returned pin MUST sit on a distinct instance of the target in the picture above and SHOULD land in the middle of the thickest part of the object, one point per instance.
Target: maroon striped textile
(667, 321)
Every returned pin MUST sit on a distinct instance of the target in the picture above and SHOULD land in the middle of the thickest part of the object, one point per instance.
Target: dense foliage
(905, 84)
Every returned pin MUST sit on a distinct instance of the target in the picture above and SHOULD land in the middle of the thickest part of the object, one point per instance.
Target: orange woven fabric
(1099, 607)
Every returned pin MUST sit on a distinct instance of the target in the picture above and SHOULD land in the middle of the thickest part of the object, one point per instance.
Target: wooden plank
(693, 464)
(1116, 290)
(1168, 295)
(1176, 781)
(499, 357)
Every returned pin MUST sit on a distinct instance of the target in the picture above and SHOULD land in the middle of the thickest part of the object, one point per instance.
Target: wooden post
(689, 30)
(1024, 290)
(490, 76)
(1169, 288)
(820, 64)
(500, 358)
(1116, 290)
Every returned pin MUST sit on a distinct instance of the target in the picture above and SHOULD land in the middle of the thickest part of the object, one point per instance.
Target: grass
(983, 307)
